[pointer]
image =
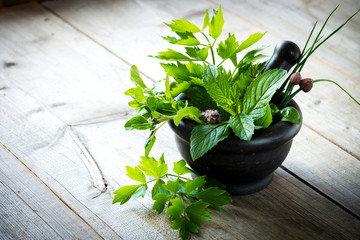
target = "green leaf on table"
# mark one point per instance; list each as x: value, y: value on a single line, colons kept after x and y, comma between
x: 153, y: 168
x: 215, y: 197
x: 290, y: 114
x: 218, y: 86
x: 216, y: 24
x: 183, y: 26
x: 242, y: 125
x: 160, y: 201
x: 188, y: 112
x: 206, y: 19
x: 173, y: 186
x: 198, y: 213
x: 205, y: 137
x: 123, y: 194
x: 228, y: 48
x: 265, y: 120
x: 253, y: 38
x: 260, y: 92
x: 135, y: 173
x: 135, y: 77
x: 180, y: 168
x: 192, y: 185
x: 176, y: 208
x: 172, y: 55
x: 179, y: 72
x: 159, y: 188
x: 140, y: 192
x: 137, y: 122
x: 185, y: 227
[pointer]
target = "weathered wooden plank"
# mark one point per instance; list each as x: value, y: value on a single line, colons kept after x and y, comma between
x: 19, y: 221
x: 281, y: 19
x: 28, y: 190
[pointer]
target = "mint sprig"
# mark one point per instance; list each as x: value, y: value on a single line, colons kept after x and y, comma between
x: 188, y: 201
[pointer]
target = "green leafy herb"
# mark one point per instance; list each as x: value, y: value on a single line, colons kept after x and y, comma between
x: 189, y: 201
x: 205, y: 137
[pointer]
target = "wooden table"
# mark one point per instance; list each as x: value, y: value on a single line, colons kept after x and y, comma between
x: 63, y: 148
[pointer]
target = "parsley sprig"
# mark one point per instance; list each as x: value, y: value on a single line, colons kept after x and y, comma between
x: 188, y: 201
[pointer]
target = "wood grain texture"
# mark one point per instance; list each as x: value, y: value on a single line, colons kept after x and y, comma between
x: 37, y: 208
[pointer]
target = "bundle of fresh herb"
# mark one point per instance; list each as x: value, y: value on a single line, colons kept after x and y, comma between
x: 221, y: 101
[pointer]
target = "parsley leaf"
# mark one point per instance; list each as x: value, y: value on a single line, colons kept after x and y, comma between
x: 136, y: 174
x: 123, y: 194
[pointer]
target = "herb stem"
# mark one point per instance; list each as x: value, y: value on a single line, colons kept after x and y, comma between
x: 327, y: 80
x: 211, y: 47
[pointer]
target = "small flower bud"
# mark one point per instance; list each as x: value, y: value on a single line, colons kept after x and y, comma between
x: 306, y: 84
x: 211, y: 116
x: 295, y: 78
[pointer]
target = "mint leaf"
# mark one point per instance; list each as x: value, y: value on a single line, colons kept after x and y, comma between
x: 242, y: 125
x: 136, y: 174
x: 215, y: 197
x: 179, y: 72
x: 253, y: 38
x: 140, y: 192
x: 160, y: 201
x: 183, y: 26
x: 123, y: 194
x: 290, y: 114
x: 200, y: 98
x: 137, y: 122
x: 266, y: 120
x: 228, y: 48
x: 217, y: 85
x: 176, y: 208
x: 171, y: 55
x: 159, y: 188
x: 206, y: 19
x: 173, y: 186
x: 135, y: 77
x: 260, y: 92
x: 205, y: 137
x: 189, y: 112
x: 216, y: 24
x: 198, y: 213
x: 192, y: 185
x: 180, y: 168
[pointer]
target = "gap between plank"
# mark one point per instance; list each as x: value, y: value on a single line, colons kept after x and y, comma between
x: 320, y: 192
x: 333, y: 142
x: 29, y: 205
x: 67, y: 205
